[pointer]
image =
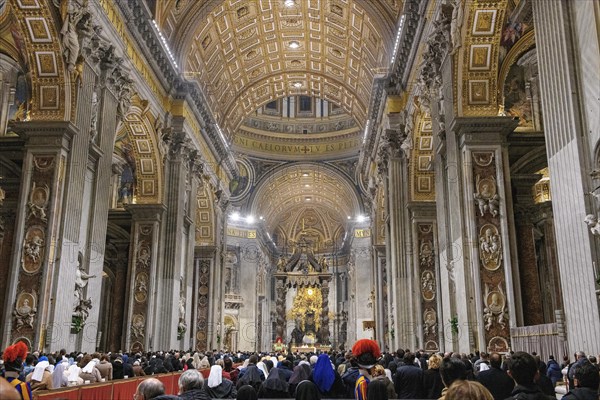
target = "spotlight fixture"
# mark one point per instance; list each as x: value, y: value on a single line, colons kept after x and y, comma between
x: 289, y: 3
x: 250, y: 219
x: 361, y: 218
x: 294, y: 44
x: 235, y: 216
x: 297, y: 85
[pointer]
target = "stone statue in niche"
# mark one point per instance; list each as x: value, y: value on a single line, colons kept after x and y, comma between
x: 25, y: 311
x: 181, y: 326
x: 490, y: 247
x: 592, y: 222
x: 38, y: 202
x: 456, y: 24
x: 487, y: 198
x: 281, y: 264
x: 495, y: 307
x: 94, y: 117
x: 82, y: 305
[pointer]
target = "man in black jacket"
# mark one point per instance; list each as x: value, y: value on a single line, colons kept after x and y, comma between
x: 523, y: 368
x: 495, y: 380
x: 408, y: 379
x: 586, y: 381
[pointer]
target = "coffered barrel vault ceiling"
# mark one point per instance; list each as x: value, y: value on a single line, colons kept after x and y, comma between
x: 245, y: 53
x: 301, y: 186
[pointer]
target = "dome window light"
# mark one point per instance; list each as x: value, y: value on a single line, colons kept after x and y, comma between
x: 297, y: 85
x: 289, y: 3
x: 294, y: 44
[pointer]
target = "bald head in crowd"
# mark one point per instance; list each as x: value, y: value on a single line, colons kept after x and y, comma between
x: 149, y: 389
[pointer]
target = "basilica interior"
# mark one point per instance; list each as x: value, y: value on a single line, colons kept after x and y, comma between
x: 300, y: 174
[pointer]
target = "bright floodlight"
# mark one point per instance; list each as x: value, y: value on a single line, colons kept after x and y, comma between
x: 361, y: 218
x: 289, y: 3
x: 250, y: 219
x: 235, y: 216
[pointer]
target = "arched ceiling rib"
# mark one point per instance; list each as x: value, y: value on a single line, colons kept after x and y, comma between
x: 304, y: 186
x: 240, y: 50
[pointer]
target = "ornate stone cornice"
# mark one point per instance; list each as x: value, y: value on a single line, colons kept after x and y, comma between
x: 412, y: 29
x: 479, y: 130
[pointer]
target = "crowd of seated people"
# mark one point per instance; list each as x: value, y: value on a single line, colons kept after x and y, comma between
x: 364, y: 373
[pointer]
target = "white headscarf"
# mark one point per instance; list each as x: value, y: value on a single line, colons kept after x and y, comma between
x: 216, y: 376
x: 89, y: 368
x: 38, y: 372
x: 74, y: 371
x: 275, y: 361
x: 262, y: 366
x: 58, y: 375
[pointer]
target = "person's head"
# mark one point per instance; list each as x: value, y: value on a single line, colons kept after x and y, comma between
x: 227, y: 364
x: 190, y: 380
x: 468, y: 390
x: 593, y: 359
x: 307, y: 390
x: 452, y: 369
x: 377, y: 370
x: 377, y: 390
x: 495, y: 360
x: 85, y: 360
x: 586, y: 375
x: 579, y: 355
x: 367, y: 353
x: 409, y: 358
x: 253, y: 359
x: 148, y: 389
x: 435, y: 361
x: 522, y: 368
x: 246, y: 392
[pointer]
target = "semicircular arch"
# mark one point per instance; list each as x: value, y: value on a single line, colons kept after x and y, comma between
x: 301, y: 186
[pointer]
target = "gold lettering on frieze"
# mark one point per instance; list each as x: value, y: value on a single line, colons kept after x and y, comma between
x: 242, y: 233
x: 362, y: 233
x: 290, y: 148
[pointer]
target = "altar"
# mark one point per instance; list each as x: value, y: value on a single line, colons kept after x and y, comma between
x: 310, y: 349
x: 302, y: 285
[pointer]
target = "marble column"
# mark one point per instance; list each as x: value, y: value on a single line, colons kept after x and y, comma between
x: 397, y: 243
x: 176, y: 238
x: 143, y: 280
x: 37, y: 227
x: 568, y: 57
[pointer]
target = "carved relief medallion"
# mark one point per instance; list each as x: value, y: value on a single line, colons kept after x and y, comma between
x: 429, y: 321
x: 138, y: 325
x: 38, y: 202
x: 428, y: 285
x: 490, y: 247
x: 25, y: 310
x: 495, y: 307
x: 33, y: 249
x: 141, y: 287
x: 486, y: 197
x: 498, y: 344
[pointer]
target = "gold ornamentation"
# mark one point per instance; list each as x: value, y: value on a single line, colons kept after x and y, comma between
x: 308, y: 301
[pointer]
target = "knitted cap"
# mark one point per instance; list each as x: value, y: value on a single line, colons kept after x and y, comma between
x: 366, y: 352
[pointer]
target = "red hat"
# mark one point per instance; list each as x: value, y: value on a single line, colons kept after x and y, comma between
x: 366, y: 352
x: 14, y: 356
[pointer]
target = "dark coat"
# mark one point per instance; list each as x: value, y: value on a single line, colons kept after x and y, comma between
x: 195, y: 394
x: 409, y: 382
x: 581, y: 394
x: 349, y: 378
x: 226, y: 390
x: 554, y: 372
x: 522, y: 392
x: 432, y: 384
x: 497, y: 382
